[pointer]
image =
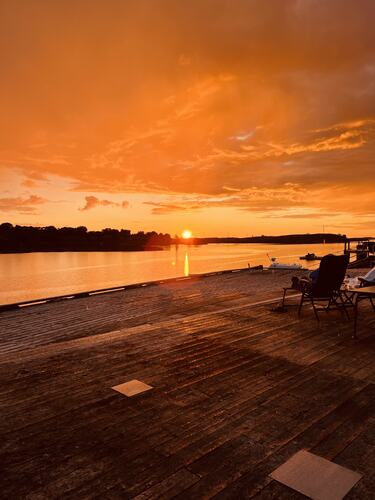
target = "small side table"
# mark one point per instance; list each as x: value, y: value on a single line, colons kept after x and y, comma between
x: 359, y: 294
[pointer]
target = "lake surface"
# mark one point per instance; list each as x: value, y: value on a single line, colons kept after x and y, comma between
x: 37, y: 275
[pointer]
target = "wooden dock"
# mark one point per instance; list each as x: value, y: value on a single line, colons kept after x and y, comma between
x: 237, y: 389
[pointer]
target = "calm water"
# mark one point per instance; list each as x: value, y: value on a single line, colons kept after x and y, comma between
x: 37, y: 275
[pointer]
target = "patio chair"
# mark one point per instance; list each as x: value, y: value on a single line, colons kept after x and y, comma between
x: 332, y: 272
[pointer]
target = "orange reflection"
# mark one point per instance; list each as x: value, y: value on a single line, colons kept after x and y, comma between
x: 186, y: 265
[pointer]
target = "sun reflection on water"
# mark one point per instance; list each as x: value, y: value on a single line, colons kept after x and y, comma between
x: 186, y: 265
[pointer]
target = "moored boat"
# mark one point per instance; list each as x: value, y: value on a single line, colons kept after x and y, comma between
x: 310, y: 256
x: 280, y: 265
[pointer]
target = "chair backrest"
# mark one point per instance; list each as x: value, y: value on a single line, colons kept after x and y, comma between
x: 332, y: 272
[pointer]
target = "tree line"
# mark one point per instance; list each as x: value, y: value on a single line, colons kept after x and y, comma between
x: 16, y: 238
x: 286, y: 239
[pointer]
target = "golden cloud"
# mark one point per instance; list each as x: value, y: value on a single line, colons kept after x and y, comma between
x: 25, y: 205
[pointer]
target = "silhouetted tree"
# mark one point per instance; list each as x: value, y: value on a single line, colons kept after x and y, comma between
x: 49, y: 238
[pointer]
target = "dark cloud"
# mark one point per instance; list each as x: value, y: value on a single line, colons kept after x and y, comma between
x: 93, y: 202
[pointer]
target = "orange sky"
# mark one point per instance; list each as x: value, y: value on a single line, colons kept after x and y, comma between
x: 233, y: 117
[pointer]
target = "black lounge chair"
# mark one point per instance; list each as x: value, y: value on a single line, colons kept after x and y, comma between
x: 332, y: 272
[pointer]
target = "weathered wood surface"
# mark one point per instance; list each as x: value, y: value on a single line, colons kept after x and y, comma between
x: 237, y: 390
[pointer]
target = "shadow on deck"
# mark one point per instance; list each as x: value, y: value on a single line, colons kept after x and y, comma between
x: 237, y: 390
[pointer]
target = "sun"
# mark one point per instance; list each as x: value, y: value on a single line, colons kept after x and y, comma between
x: 186, y: 234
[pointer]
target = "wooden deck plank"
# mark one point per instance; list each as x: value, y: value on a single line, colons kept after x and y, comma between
x: 237, y: 390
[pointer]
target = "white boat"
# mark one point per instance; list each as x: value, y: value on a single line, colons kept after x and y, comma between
x: 279, y: 265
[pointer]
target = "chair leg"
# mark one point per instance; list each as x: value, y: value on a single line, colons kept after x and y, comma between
x: 354, y: 336
x: 315, y: 311
x: 328, y: 306
x: 301, y: 303
x: 284, y: 295
x: 333, y: 302
x: 343, y: 307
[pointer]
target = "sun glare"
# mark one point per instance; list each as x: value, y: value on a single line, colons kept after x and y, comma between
x: 186, y: 234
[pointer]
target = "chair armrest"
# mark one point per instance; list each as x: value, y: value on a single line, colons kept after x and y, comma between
x: 306, y: 285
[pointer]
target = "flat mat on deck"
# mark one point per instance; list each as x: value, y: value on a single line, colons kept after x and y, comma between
x: 237, y: 390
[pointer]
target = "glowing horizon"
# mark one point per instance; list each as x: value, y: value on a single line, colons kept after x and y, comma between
x: 245, y: 119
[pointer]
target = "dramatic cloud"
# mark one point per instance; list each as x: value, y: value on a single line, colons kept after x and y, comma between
x: 21, y: 205
x: 206, y: 104
x: 93, y: 202
x: 255, y: 200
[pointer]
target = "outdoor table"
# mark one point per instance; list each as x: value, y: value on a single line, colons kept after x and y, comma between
x: 359, y: 294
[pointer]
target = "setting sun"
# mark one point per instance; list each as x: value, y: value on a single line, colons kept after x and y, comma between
x: 186, y: 234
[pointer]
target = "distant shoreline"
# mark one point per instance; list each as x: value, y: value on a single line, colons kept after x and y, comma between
x: 28, y: 239
x: 87, y: 250
x: 161, y: 248
x: 288, y: 239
